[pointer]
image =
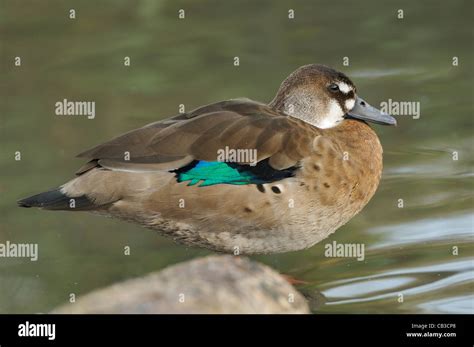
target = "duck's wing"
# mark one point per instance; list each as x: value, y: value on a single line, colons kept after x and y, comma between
x: 204, y: 133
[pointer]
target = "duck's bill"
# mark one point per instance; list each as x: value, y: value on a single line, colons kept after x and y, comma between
x: 362, y: 110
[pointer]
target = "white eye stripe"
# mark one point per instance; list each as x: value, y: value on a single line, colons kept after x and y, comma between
x: 344, y: 87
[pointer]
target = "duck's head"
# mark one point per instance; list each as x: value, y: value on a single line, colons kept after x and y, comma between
x: 324, y: 97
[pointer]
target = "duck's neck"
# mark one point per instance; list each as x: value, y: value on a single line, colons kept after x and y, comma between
x: 306, y: 105
x: 300, y: 105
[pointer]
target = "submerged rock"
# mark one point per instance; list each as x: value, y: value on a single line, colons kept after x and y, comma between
x: 214, y: 284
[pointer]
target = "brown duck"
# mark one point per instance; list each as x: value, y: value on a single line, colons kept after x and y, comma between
x: 240, y: 176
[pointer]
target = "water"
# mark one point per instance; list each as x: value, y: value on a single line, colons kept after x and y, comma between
x: 417, y: 258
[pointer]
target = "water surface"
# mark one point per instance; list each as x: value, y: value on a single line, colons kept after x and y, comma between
x: 409, y: 252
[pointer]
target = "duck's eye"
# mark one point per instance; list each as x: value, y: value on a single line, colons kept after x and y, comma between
x: 333, y: 87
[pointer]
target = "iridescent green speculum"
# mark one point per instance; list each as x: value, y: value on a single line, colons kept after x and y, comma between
x: 211, y: 173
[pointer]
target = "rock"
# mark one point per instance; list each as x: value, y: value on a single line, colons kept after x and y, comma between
x: 214, y: 284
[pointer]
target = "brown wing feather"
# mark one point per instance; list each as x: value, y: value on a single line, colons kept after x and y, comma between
x: 198, y: 135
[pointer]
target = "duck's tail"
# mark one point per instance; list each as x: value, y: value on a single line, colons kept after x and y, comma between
x: 99, y: 189
x: 56, y: 199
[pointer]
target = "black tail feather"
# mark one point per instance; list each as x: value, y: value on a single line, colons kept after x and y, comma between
x: 56, y: 200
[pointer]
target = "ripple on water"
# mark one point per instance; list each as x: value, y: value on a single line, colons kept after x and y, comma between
x: 456, y: 229
x: 415, y: 283
x: 463, y: 304
x: 377, y: 73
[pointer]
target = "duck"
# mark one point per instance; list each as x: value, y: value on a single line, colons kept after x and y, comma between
x: 240, y: 176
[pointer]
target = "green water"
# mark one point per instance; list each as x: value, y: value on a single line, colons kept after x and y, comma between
x: 408, y: 250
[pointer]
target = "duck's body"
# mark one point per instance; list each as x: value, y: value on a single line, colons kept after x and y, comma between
x: 307, y: 181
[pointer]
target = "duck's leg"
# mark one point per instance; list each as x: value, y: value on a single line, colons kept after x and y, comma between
x: 292, y: 280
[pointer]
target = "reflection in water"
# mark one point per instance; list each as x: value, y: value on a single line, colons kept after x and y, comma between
x: 422, y: 250
x: 390, y: 284
x: 366, y: 287
x: 426, y: 230
x: 457, y: 304
x: 374, y: 73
